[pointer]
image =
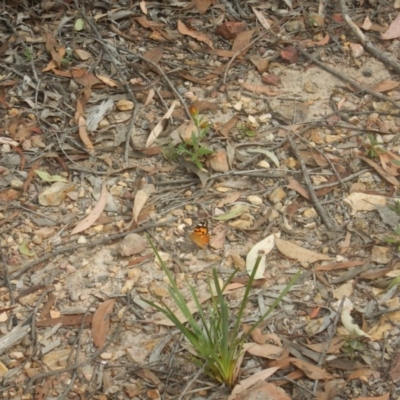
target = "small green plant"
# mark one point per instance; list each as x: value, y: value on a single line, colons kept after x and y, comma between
x: 192, y: 149
x: 353, y: 346
x: 395, y: 207
x: 67, y: 59
x: 215, y: 335
x: 395, y: 240
x: 395, y: 237
x: 28, y: 54
x: 246, y: 130
x: 373, y: 148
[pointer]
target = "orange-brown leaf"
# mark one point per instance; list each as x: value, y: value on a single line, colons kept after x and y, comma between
x: 101, y: 322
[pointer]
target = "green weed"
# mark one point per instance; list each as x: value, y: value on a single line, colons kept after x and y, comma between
x: 215, y: 334
x: 192, y: 149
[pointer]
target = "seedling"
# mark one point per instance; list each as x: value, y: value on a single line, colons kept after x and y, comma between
x: 215, y: 334
x: 67, y: 59
x: 353, y: 346
x: 373, y: 148
x: 28, y: 54
x: 246, y: 130
x: 192, y: 149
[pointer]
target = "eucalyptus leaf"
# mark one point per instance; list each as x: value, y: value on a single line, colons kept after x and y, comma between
x: 79, y: 24
x: 45, y: 176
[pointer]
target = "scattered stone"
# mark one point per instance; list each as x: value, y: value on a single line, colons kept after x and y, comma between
x: 255, y: 200
x: 125, y: 105
x: 219, y: 161
x: 381, y: 254
x: 3, y: 369
x: 131, y: 244
x: 277, y: 195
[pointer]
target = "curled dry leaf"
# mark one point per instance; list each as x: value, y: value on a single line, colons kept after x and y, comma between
x: 296, y: 252
x: 229, y: 30
x: 312, y: 371
x: 242, y: 41
x: 249, y: 382
x: 184, y: 30
x: 265, y: 350
x: 101, y: 322
x: 141, y: 198
x: 258, y: 89
x: 393, y: 31
x: 261, y: 19
x: 261, y: 248
x: 92, y: 217
x: 159, y: 127
x: 83, y: 134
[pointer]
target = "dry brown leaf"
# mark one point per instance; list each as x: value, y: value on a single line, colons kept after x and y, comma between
x: 229, y: 199
x: 9, y: 194
x: 83, y: 133
x: 148, y: 376
x: 271, y: 79
x: 184, y: 30
x: 101, y: 322
x: 383, y: 397
x: 338, y: 265
x: 155, y: 54
x: 261, y: 19
x: 265, y: 350
x: 149, y: 97
x: 385, y: 86
x: 141, y: 198
x: 203, y: 5
x: 334, y: 346
x: 92, y: 217
x: 228, y: 126
x: 242, y: 40
x: 229, y: 30
x: 84, y: 78
x: 387, y: 163
x: 312, y: 371
x: 67, y: 320
x: 364, y: 374
x: 249, y: 382
x: 146, y: 23
x: 108, y: 81
x: 312, y: 43
x: 393, y: 31
x: 160, y: 126
x: 391, y: 179
x: 294, y: 185
x: 83, y: 54
x: 57, y: 52
x: 296, y: 252
x: 259, y: 89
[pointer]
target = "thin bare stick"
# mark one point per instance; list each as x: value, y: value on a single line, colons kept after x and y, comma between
x: 131, y: 128
x: 348, y: 80
x: 389, y: 62
x: 324, y: 216
x: 94, y: 243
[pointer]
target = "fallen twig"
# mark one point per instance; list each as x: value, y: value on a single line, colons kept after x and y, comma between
x: 389, y: 62
x: 324, y: 216
x: 131, y: 128
x: 86, y: 245
x: 348, y: 80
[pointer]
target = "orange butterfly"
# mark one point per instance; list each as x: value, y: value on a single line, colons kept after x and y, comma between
x: 200, y: 235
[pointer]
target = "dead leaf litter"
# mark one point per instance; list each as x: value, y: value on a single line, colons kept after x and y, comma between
x: 272, y: 127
